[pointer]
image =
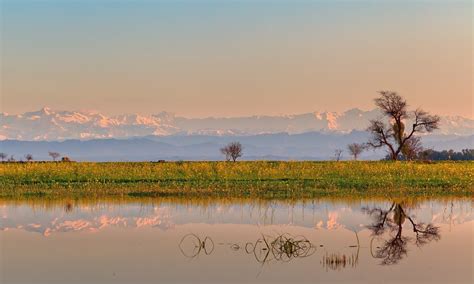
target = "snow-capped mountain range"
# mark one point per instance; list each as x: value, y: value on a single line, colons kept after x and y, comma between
x: 47, y: 124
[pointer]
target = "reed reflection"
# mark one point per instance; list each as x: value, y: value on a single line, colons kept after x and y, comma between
x: 280, y: 248
x: 191, y: 245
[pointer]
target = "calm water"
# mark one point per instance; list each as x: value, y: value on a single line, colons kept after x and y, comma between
x: 237, y: 241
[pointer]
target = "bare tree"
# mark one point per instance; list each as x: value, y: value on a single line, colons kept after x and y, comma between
x: 392, y: 134
x: 29, y: 157
x: 54, y: 155
x: 232, y: 151
x: 3, y: 156
x: 338, y: 154
x: 355, y: 149
x: 11, y: 159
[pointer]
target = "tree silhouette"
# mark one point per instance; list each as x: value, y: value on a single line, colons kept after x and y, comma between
x: 392, y: 134
x: 232, y: 151
x: 54, y: 155
x: 337, y: 154
x: 355, y: 149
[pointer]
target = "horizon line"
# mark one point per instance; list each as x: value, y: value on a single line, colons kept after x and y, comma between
x: 111, y: 115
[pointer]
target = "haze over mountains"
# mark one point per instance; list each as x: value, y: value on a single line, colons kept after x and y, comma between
x: 88, y: 136
x: 50, y: 125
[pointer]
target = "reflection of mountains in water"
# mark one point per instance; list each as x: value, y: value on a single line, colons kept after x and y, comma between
x: 69, y: 217
x: 91, y: 221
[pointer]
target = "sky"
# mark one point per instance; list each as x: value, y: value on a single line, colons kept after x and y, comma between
x: 200, y: 58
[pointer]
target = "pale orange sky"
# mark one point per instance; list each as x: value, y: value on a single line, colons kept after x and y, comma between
x: 220, y: 58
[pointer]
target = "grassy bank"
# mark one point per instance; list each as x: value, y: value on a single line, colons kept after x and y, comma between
x: 263, y: 179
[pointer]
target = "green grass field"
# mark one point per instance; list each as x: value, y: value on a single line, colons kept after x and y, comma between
x: 259, y: 179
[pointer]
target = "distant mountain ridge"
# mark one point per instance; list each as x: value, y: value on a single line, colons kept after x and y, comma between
x: 50, y: 125
x: 277, y: 146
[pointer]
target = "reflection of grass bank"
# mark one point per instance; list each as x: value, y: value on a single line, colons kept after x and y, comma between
x: 263, y: 179
x: 68, y: 203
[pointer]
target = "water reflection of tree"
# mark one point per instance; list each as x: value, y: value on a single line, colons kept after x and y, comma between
x: 68, y: 207
x: 395, y: 248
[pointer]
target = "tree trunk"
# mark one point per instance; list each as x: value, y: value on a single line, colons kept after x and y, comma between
x: 394, y: 157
